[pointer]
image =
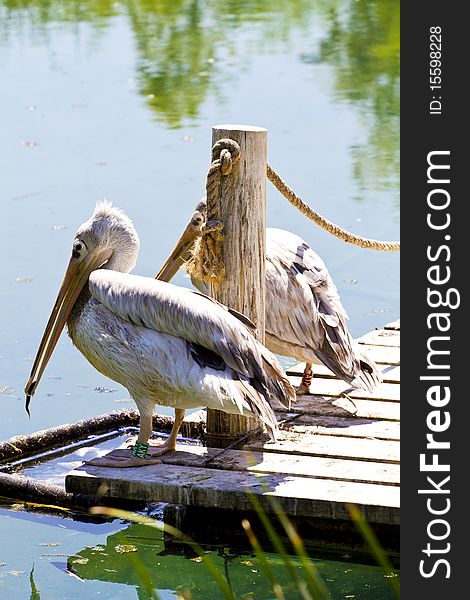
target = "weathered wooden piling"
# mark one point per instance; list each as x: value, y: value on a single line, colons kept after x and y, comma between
x: 241, y: 207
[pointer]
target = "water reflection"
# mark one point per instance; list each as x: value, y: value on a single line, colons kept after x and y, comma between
x: 363, y: 43
x: 139, y: 556
x: 186, y: 51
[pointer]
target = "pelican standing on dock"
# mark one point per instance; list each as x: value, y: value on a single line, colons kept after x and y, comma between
x: 166, y: 344
x: 304, y: 315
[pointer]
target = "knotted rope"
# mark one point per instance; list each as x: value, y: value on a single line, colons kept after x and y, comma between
x: 335, y: 230
x: 207, y: 262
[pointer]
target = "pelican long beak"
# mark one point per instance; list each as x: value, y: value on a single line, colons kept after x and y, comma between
x: 75, y: 278
x: 181, y: 251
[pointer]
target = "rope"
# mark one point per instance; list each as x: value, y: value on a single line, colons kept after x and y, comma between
x: 335, y: 230
x: 234, y: 445
x: 206, y: 262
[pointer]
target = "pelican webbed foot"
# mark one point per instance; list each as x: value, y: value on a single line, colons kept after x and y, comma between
x: 157, y: 448
x: 122, y: 462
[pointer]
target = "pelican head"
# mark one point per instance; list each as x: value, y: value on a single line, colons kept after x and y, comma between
x: 182, y: 250
x: 107, y: 240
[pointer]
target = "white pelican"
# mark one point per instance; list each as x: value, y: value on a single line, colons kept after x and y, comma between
x: 166, y: 344
x: 304, y: 315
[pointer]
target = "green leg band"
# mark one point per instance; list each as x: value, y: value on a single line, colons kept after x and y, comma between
x: 140, y: 450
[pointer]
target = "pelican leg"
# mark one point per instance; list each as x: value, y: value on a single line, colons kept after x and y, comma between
x: 304, y: 387
x: 123, y: 462
x: 170, y: 444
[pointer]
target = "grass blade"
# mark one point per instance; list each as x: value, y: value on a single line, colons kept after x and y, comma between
x: 135, y: 518
x: 375, y: 547
x: 257, y: 549
x: 315, y: 584
x: 280, y: 548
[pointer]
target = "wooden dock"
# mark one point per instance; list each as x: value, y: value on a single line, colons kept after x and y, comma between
x: 337, y: 447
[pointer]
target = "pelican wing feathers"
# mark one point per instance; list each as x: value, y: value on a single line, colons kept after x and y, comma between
x: 199, y: 320
x: 314, y: 326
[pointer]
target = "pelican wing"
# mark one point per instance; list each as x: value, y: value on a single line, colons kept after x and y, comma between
x: 298, y: 278
x: 191, y: 316
x: 315, y: 321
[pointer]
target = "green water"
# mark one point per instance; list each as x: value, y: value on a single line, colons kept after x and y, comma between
x: 117, y: 99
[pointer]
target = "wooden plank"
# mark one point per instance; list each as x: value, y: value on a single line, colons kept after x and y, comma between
x: 388, y: 392
x: 390, y: 373
x: 345, y: 407
x: 298, y: 496
x: 333, y: 446
x: 388, y: 355
x: 381, y: 337
x: 273, y: 463
x: 306, y: 426
x: 264, y: 459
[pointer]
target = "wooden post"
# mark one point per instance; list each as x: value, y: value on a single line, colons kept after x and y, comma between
x: 242, y: 210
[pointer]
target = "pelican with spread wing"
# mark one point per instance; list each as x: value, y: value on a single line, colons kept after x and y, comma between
x: 305, y: 318
x: 166, y: 344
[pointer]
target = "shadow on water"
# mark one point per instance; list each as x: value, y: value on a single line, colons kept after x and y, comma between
x: 136, y: 556
x: 168, y: 564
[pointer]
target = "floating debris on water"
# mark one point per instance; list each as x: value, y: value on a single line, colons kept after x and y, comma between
x: 79, y: 560
x: 103, y: 390
x: 30, y: 144
x: 4, y: 389
x: 24, y: 196
x: 122, y: 548
x: 59, y: 226
x: 49, y: 544
x: 24, y: 279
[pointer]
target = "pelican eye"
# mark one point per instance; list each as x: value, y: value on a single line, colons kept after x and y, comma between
x: 197, y: 219
x: 79, y: 249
